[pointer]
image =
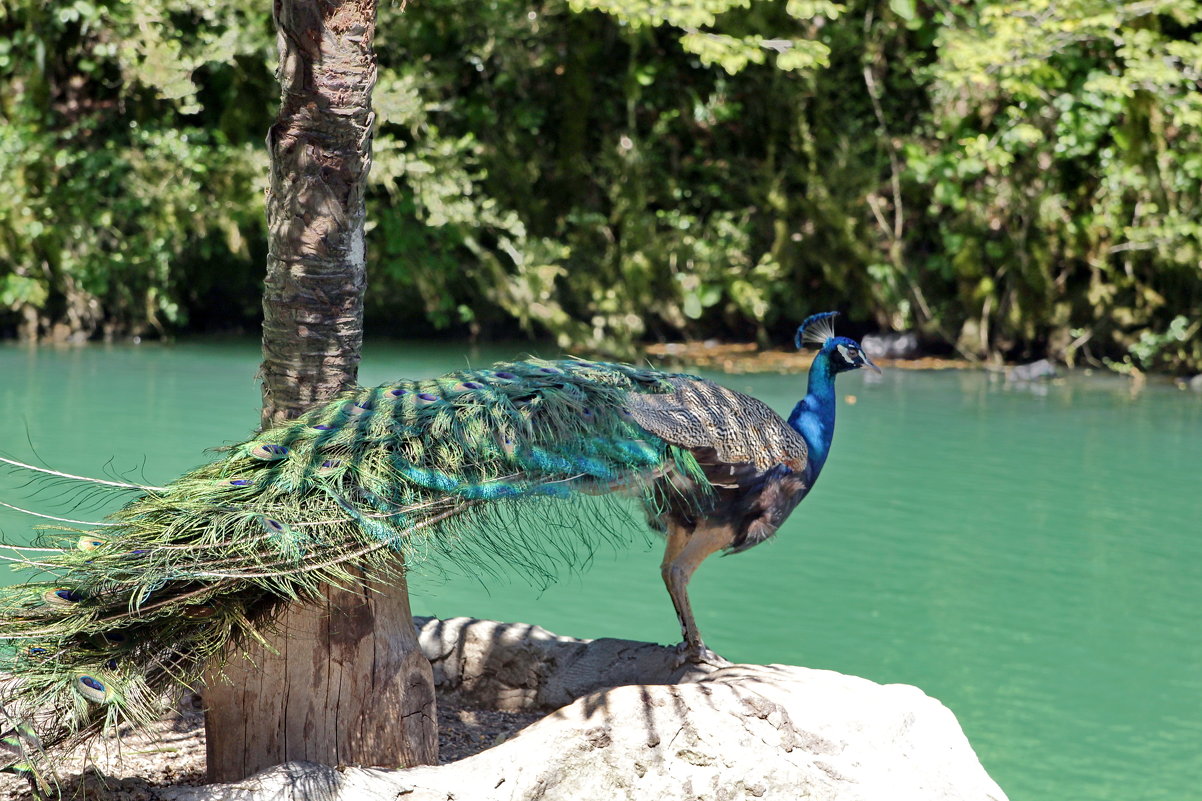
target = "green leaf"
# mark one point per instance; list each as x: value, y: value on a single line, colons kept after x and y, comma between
x: 904, y: 9
x: 19, y: 290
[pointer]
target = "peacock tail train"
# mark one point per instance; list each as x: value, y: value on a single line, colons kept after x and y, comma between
x: 127, y: 612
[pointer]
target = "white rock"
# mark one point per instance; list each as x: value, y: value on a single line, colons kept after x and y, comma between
x: 738, y: 732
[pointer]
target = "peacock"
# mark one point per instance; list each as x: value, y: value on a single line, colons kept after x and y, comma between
x: 127, y: 609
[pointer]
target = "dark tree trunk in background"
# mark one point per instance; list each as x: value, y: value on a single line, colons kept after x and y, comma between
x: 347, y: 683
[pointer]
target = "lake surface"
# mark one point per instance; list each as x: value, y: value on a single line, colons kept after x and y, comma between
x: 1030, y: 556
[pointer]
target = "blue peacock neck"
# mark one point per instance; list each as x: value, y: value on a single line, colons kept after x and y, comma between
x: 814, y: 416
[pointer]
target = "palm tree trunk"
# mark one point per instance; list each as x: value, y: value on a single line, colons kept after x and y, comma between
x: 344, y: 681
x: 320, y: 151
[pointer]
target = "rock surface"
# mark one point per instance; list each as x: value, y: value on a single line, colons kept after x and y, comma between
x: 726, y: 732
x: 1041, y: 370
x: 517, y: 667
x: 903, y: 345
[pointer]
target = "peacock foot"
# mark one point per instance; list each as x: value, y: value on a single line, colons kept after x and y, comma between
x: 697, y: 654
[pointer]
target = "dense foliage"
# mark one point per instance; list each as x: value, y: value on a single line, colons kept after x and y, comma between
x: 1007, y: 177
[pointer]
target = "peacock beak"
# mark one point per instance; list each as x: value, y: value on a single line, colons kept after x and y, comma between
x: 868, y: 363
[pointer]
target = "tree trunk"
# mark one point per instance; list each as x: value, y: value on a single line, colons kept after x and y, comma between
x: 320, y: 150
x: 346, y: 683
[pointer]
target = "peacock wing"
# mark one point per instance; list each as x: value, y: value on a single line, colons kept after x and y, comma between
x: 719, y: 425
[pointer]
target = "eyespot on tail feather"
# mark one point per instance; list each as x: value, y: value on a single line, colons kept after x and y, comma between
x: 94, y: 687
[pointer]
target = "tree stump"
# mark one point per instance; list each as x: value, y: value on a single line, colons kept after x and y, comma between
x: 348, y: 686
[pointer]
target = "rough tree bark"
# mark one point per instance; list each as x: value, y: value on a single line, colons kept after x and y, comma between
x: 345, y: 681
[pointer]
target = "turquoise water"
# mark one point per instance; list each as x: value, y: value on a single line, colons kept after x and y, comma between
x: 1031, y: 558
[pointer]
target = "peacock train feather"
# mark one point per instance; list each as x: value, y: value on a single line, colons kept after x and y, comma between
x: 123, y: 613
x: 127, y: 611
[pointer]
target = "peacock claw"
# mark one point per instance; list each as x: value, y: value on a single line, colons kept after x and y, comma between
x: 697, y: 654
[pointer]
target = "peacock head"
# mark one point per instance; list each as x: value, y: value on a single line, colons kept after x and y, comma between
x: 844, y: 354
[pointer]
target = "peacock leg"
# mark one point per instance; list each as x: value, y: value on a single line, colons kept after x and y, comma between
x: 685, y: 551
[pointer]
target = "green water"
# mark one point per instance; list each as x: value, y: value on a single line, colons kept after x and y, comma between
x: 1031, y: 558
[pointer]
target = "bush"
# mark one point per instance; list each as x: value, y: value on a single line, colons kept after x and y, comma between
x: 1013, y: 179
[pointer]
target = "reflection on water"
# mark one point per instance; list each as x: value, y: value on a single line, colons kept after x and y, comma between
x: 1029, y: 554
